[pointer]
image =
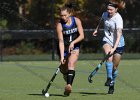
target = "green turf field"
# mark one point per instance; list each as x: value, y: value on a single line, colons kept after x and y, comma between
x: 24, y: 80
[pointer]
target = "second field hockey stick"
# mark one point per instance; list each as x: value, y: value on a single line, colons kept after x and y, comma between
x: 98, y: 67
x: 99, y: 22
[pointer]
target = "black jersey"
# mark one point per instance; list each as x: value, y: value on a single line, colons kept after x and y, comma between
x: 70, y: 33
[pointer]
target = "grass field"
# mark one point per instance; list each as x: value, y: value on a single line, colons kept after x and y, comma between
x: 24, y: 80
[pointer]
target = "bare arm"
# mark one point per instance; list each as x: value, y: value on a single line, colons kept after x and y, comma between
x: 61, y: 41
x: 119, y: 33
x: 81, y: 34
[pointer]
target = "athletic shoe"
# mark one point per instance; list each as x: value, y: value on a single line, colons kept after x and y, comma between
x: 68, y: 89
x: 109, y: 82
x: 111, y: 90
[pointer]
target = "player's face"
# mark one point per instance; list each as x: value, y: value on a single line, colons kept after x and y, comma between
x: 65, y: 15
x: 111, y: 10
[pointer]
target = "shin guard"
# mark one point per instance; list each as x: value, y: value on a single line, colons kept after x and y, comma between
x: 70, y: 76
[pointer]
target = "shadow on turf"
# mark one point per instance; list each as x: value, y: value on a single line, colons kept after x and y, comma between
x: 83, y: 94
x: 89, y: 93
x: 50, y: 95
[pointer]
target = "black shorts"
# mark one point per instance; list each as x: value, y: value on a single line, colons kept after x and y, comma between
x: 118, y: 50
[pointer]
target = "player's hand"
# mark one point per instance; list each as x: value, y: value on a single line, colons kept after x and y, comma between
x: 62, y: 61
x: 71, y: 46
x: 95, y: 33
x: 112, y: 51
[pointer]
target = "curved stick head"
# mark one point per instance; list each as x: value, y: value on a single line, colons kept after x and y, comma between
x: 43, y: 92
x: 90, y: 80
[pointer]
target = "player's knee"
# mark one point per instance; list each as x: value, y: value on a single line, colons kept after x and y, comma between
x: 109, y: 59
x: 71, y: 64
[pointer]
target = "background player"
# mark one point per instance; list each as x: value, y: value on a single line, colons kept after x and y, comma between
x: 113, y: 40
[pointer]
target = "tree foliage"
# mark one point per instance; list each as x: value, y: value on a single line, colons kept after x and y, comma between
x: 43, y: 12
x: 89, y: 11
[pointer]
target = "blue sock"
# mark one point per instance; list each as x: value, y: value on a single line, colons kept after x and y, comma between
x: 109, y: 68
x: 114, y: 75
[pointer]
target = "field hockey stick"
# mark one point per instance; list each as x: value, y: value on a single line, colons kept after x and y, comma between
x: 44, y: 91
x: 98, y: 67
x: 99, y: 22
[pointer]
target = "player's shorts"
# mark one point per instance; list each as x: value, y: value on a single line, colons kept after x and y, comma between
x: 118, y: 50
x: 66, y: 52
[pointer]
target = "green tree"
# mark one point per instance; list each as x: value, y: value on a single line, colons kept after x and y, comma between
x: 6, y: 13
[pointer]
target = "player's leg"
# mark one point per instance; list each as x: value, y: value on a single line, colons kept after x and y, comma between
x: 64, y: 67
x: 64, y: 70
x: 71, y: 70
x: 116, y: 60
x: 109, y: 65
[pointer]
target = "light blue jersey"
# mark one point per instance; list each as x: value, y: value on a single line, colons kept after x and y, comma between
x: 110, y: 29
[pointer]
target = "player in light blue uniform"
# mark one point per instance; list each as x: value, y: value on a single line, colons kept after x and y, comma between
x: 113, y: 40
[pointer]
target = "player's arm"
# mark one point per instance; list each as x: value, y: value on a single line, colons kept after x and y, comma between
x: 119, y: 33
x: 61, y: 41
x: 80, y: 30
x: 81, y: 33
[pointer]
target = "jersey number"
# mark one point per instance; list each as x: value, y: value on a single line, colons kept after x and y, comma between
x: 70, y: 38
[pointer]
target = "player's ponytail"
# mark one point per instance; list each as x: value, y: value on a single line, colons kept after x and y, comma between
x: 69, y: 7
x: 120, y: 4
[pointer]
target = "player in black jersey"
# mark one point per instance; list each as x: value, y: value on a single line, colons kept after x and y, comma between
x: 70, y: 34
